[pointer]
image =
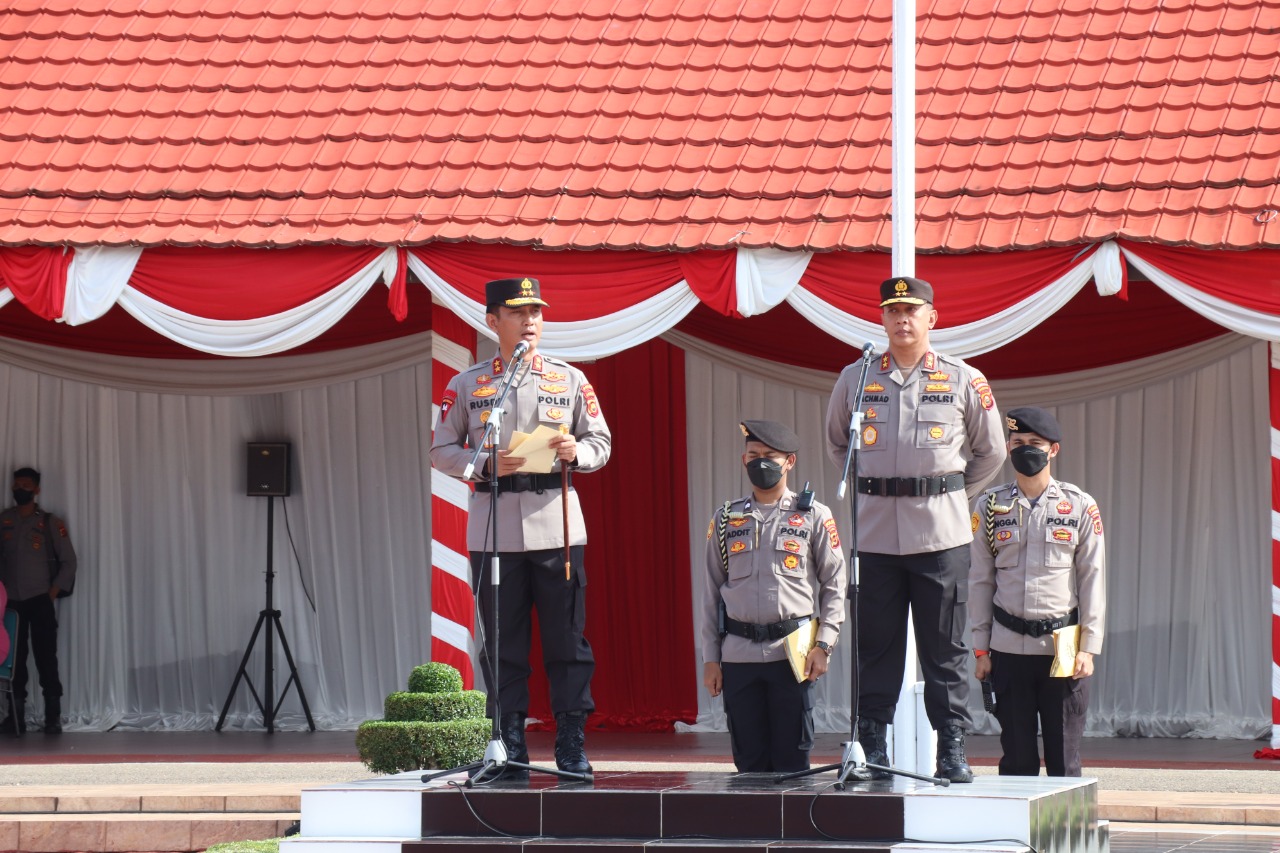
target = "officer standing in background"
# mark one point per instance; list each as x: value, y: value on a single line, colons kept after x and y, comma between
x: 37, y: 562
x: 530, y: 535
x: 1038, y: 566
x: 931, y: 439
x: 772, y: 562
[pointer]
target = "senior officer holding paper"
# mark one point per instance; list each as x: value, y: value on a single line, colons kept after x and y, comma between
x: 1037, y: 601
x: 772, y: 564
x: 530, y: 539
x: 931, y: 439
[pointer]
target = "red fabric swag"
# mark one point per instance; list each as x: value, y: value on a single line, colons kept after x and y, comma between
x: 37, y: 275
x: 1250, y: 279
x: 243, y: 284
x: 967, y: 288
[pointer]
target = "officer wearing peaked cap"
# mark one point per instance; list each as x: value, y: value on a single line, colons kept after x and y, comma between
x: 930, y: 439
x: 771, y: 563
x: 530, y: 538
x: 1039, y: 568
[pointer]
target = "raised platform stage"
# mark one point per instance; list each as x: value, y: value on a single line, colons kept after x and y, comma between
x: 700, y: 811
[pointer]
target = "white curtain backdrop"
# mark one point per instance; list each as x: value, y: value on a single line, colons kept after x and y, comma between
x: 173, y: 554
x: 1169, y: 446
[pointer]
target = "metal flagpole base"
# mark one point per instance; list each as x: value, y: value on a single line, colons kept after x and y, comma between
x: 495, y: 763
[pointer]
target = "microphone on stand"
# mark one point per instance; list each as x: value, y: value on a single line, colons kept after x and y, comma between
x: 522, y: 349
x: 868, y: 350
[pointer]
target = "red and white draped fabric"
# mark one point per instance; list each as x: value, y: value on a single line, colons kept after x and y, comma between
x: 251, y: 302
x: 452, y: 603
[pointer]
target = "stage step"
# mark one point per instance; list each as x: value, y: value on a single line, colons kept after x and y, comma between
x: 676, y: 810
x: 107, y: 819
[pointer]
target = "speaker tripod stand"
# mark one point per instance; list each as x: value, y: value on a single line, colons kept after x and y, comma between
x: 269, y: 618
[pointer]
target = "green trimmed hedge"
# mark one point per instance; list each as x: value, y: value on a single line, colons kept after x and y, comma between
x: 434, y: 707
x: 390, y: 747
x: 435, y: 678
x: 435, y: 725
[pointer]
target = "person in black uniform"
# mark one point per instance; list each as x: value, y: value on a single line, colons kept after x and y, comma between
x: 531, y: 516
x: 37, y: 562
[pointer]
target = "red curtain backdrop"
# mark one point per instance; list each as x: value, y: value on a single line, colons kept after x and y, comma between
x: 639, y: 598
x: 37, y: 275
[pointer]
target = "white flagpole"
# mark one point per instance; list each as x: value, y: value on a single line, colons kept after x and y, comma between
x: 903, y: 140
x: 913, y: 741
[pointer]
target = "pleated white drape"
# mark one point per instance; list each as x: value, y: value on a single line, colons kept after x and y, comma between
x: 173, y: 554
x: 1170, y: 447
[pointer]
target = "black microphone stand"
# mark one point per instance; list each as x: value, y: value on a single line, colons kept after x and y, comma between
x: 853, y: 761
x: 495, y: 760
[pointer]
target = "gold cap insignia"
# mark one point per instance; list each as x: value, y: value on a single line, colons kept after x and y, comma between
x: 743, y: 427
x: 1011, y: 423
x: 900, y: 286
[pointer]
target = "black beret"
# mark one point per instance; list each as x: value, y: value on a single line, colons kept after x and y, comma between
x: 513, y: 292
x: 778, y: 436
x: 904, y: 288
x: 1033, y: 419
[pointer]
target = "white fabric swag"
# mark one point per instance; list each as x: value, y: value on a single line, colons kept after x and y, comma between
x: 1169, y: 447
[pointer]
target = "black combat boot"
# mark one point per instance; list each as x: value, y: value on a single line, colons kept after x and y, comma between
x: 512, y: 727
x: 53, y: 715
x: 16, y: 722
x: 952, y: 763
x: 571, y: 737
x: 872, y: 736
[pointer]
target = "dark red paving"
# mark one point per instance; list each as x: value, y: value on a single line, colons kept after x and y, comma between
x: 112, y: 747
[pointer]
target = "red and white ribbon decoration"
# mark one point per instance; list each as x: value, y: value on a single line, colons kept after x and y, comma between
x: 1273, y: 380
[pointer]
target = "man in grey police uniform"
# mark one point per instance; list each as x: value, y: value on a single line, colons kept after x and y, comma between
x: 772, y: 561
x: 530, y: 534
x: 1038, y: 565
x: 931, y: 439
x: 37, y: 562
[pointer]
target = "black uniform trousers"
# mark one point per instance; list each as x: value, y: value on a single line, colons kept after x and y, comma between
x: 935, y: 585
x: 770, y: 717
x: 529, y: 579
x: 38, y: 631
x: 1024, y: 692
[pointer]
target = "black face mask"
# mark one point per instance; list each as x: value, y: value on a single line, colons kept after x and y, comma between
x: 764, y: 473
x: 1027, y: 460
x: 22, y: 497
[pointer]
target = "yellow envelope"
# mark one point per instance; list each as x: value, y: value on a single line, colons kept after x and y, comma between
x: 798, y: 643
x: 1066, y: 642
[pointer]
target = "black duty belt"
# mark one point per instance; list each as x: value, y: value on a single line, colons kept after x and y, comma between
x: 1035, y: 627
x: 763, y: 633
x: 524, y: 483
x: 910, y: 487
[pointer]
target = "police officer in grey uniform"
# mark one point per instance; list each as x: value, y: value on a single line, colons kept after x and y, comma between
x: 1038, y: 566
x: 530, y: 535
x: 931, y: 439
x: 37, y: 562
x: 772, y: 561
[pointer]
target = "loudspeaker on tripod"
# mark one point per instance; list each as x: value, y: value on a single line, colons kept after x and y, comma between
x: 268, y: 469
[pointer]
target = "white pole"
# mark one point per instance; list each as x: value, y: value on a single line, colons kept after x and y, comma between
x: 903, y: 140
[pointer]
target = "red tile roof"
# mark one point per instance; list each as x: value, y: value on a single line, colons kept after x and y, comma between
x: 662, y: 124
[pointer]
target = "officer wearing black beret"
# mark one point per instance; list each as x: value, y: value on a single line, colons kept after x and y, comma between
x: 772, y: 563
x: 531, y: 514
x: 1037, y: 577
x: 931, y: 439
